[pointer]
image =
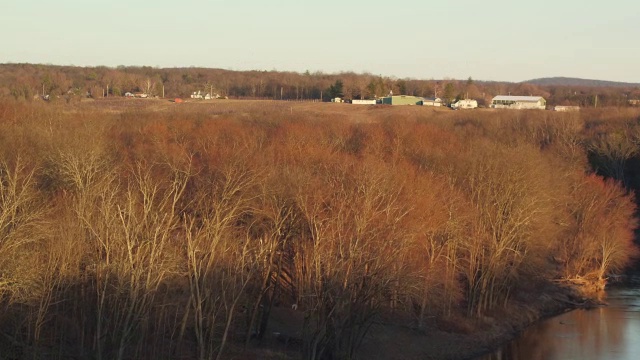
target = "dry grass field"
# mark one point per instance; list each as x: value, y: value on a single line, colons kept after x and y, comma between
x: 335, y: 111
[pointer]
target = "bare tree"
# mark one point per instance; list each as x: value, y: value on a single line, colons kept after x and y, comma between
x: 218, y: 259
x: 21, y: 225
x: 613, y: 150
x: 351, y: 258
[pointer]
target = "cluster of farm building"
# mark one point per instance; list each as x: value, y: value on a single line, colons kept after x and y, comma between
x: 498, y: 102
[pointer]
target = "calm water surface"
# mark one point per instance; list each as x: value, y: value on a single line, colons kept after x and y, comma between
x: 611, y: 332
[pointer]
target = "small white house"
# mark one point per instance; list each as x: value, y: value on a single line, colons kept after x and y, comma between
x: 129, y: 94
x: 518, y: 102
x: 464, y: 104
x: 363, y: 102
x: 337, y: 100
x: 434, y: 101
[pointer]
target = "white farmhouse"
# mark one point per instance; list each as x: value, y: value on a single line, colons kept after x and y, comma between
x: 464, y: 104
x: 518, y: 102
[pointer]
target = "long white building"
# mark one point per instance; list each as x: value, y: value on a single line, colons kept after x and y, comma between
x: 566, y: 108
x: 363, y: 102
x: 434, y: 101
x: 518, y: 102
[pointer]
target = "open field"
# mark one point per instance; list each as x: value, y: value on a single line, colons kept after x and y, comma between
x: 118, y: 105
x: 217, y: 107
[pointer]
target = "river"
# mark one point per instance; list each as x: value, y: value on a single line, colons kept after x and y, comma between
x: 611, y: 332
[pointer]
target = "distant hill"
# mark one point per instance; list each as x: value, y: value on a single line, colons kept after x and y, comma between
x: 566, y: 81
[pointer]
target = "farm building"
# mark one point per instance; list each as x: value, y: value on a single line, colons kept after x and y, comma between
x: 464, y: 104
x: 434, y: 101
x: 566, y: 108
x: 402, y: 100
x: 518, y: 102
x: 363, y: 102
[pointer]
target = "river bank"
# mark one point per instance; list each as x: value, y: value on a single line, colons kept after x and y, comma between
x: 460, y: 338
x: 470, y: 339
x: 608, y: 332
x: 455, y: 338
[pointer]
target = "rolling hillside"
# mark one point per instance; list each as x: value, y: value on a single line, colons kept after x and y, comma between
x: 567, y: 81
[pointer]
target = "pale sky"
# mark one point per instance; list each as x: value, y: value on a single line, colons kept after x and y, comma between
x: 488, y: 40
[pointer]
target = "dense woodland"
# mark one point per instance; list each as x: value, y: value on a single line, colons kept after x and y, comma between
x: 26, y: 81
x: 175, y: 232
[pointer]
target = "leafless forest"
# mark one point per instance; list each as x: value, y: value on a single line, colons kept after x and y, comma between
x: 177, y: 230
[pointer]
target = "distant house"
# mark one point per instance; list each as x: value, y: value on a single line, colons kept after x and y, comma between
x: 518, y: 102
x: 634, y: 102
x: 141, y: 95
x: 402, y: 100
x: 566, y: 108
x: 464, y: 104
x: 337, y: 100
x: 201, y: 95
x: 363, y: 102
x: 432, y: 101
x: 128, y: 94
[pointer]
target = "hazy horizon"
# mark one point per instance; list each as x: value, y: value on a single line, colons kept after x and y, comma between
x: 498, y: 41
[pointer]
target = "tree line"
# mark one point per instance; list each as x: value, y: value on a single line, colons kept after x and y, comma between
x: 26, y: 81
x: 172, y: 234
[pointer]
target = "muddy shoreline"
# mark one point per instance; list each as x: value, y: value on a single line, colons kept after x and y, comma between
x: 391, y: 342
x: 458, y: 338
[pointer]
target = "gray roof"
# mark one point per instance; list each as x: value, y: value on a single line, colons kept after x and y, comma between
x: 518, y: 98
